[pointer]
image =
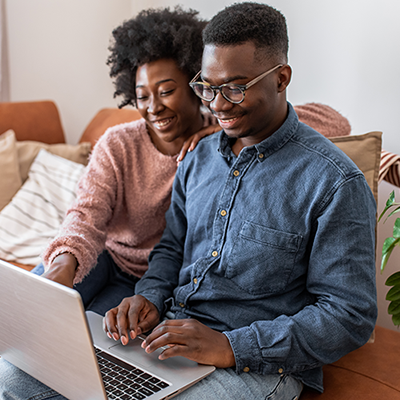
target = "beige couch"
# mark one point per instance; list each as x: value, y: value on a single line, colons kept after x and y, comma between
x: 371, y: 372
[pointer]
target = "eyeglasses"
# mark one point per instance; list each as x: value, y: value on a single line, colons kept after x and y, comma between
x: 230, y: 91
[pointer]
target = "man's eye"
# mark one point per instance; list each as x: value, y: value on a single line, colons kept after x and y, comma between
x: 234, y: 89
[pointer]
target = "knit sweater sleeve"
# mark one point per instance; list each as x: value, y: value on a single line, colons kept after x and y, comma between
x: 84, y: 230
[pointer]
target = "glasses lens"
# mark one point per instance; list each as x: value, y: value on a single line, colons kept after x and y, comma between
x: 232, y: 93
x: 203, y: 91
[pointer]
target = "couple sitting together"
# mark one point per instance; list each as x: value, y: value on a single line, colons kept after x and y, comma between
x: 260, y: 243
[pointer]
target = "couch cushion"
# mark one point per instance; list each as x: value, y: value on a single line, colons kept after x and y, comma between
x: 10, y: 178
x: 369, y: 373
x: 32, y: 120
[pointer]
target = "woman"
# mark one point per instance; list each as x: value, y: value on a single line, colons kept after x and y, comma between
x: 119, y: 213
x: 118, y: 216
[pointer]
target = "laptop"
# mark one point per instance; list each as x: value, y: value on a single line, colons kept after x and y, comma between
x: 45, y: 332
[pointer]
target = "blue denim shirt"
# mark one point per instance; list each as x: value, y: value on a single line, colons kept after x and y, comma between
x: 274, y: 247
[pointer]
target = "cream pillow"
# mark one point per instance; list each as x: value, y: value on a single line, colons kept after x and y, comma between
x: 28, y: 150
x: 365, y: 151
x: 34, y: 215
x: 10, y: 178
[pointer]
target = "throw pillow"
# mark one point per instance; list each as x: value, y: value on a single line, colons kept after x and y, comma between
x: 28, y: 150
x: 10, y: 178
x: 34, y: 215
x: 365, y: 151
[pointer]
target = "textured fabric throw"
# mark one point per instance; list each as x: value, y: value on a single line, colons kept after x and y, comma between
x: 36, y: 212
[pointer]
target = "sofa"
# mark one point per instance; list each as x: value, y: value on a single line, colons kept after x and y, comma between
x: 370, y: 372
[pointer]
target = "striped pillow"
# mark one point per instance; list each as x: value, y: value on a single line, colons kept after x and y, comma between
x: 35, y: 213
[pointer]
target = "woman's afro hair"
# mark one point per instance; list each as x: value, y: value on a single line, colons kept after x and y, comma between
x: 242, y: 22
x: 152, y: 35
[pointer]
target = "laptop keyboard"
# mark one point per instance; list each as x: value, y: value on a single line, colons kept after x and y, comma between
x: 124, y: 381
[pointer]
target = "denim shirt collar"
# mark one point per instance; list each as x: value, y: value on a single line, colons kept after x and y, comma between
x: 268, y: 146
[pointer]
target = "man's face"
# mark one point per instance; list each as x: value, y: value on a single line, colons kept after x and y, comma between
x: 264, y: 107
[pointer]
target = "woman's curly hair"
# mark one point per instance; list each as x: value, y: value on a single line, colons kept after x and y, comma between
x: 152, y: 35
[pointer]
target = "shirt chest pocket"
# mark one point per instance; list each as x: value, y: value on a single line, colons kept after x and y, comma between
x: 262, y: 259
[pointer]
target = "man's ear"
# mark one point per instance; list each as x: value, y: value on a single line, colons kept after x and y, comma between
x: 284, y: 77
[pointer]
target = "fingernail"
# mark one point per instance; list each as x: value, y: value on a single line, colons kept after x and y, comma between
x: 133, y: 334
x: 109, y: 335
x: 124, y: 340
x: 115, y: 336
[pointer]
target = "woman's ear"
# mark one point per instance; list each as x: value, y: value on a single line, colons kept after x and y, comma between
x: 284, y: 77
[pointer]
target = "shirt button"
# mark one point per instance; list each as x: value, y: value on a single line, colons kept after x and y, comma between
x: 246, y: 369
x: 214, y: 253
x: 261, y: 155
x: 195, y: 281
x: 223, y: 213
x: 280, y: 370
x: 236, y: 173
x: 182, y: 305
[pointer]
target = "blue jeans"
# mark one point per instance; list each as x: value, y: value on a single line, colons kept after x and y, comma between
x: 222, y: 384
x: 104, y: 287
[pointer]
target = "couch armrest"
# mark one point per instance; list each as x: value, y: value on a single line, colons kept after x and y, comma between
x: 34, y: 120
x: 106, y: 118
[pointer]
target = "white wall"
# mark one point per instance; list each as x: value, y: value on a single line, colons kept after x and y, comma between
x: 343, y: 53
x: 58, y: 50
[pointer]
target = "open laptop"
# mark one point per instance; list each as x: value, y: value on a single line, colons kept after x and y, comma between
x: 45, y: 331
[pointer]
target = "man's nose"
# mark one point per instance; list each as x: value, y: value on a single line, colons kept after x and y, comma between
x: 220, y: 103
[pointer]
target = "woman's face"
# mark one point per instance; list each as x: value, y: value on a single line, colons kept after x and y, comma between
x: 168, y: 104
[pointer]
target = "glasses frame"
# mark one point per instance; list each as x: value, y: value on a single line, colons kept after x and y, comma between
x: 242, y: 88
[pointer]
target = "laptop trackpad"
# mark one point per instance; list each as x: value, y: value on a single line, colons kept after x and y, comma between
x: 133, y: 353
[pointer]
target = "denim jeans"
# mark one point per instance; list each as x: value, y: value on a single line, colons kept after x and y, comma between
x: 105, y: 286
x: 222, y: 384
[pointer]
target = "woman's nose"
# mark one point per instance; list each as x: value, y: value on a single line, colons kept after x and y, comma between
x: 155, y: 105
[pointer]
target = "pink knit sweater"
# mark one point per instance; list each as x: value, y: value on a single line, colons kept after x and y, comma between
x: 121, y: 202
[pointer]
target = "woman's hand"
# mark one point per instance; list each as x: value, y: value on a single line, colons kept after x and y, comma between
x: 191, y: 143
x: 62, y: 270
x: 191, y: 339
x: 134, y: 316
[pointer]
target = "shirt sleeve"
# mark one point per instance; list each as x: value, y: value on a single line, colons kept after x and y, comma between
x: 84, y: 230
x: 341, y: 279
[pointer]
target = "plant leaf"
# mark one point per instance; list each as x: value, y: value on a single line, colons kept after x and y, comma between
x: 388, y: 246
x: 393, y: 279
x: 393, y: 294
x: 396, y: 319
x: 394, y: 308
x: 396, y: 228
x: 395, y: 211
x: 389, y: 203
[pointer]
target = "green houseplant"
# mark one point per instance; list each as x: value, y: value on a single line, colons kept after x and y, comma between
x: 393, y: 295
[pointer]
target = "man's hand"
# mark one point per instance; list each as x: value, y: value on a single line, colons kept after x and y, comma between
x: 62, y: 270
x: 134, y: 316
x: 191, y: 339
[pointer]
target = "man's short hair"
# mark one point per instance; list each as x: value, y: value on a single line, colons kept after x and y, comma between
x: 263, y: 25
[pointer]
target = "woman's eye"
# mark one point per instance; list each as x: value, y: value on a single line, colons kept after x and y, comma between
x: 141, y: 98
x: 167, y: 92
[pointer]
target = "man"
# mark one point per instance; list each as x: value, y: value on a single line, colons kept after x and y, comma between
x: 267, y: 261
